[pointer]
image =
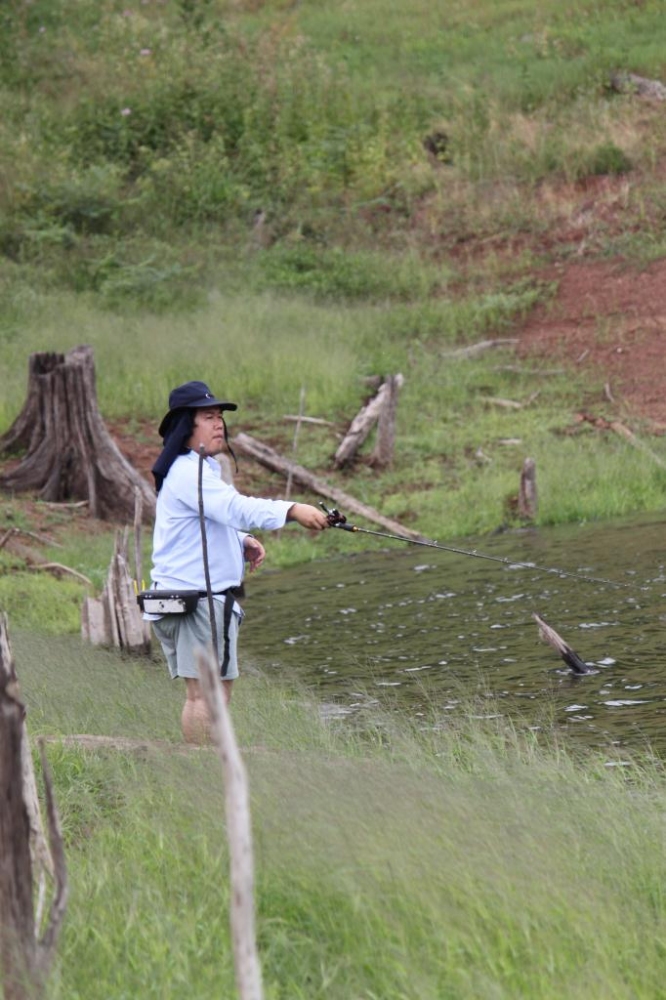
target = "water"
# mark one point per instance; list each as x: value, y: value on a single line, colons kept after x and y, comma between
x: 424, y: 625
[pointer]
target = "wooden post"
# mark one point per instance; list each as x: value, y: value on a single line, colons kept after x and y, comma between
x: 24, y: 960
x: 527, y: 495
x: 237, y: 810
x: 382, y: 454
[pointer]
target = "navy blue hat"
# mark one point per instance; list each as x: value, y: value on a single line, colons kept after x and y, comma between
x: 191, y: 396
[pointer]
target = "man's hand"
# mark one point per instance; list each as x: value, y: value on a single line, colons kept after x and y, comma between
x: 254, y: 552
x: 307, y: 516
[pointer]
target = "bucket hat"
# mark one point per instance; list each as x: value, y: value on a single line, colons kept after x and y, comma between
x: 191, y: 396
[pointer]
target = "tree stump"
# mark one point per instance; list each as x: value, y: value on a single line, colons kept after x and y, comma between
x: 380, y: 409
x: 382, y: 453
x: 69, y: 453
x: 527, y: 495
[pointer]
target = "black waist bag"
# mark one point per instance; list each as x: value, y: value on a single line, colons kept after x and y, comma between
x: 168, y: 602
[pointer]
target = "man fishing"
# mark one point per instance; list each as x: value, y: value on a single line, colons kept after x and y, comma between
x: 201, y: 541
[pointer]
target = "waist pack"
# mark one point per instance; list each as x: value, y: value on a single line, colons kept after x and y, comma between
x: 168, y: 602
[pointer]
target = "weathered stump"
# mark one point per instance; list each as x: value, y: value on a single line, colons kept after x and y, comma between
x: 114, y: 619
x: 527, y: 495
x: 382, y: 453
x: 69, y: 453
x: 380, y: 409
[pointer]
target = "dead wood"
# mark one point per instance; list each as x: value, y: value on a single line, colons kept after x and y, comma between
x: 58, y: 569
x: 617, y: 427
x: 24, y: 959
x: 505, y: 404
x: 295, y: 417
x: 69, y: 453
x: 631, y: 83
x: 115, y: 619
x: 29, y: 534
x: 473, y: 350
x: 570, y: 657
x: 239, y: 832
x: 380, y: 408
x: 527, y: 494
x: 382, y: 453
x: 261, y: 453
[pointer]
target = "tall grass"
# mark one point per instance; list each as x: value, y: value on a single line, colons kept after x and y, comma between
x: 456, y: 858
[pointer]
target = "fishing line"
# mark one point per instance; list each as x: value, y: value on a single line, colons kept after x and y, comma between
x: 338, y: 520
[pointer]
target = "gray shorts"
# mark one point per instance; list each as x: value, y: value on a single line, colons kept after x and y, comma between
x: 182, y: 635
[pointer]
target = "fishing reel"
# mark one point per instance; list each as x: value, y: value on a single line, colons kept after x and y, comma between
x: 334, y: 517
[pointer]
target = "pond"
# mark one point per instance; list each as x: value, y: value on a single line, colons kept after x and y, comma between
x: 413, y: 626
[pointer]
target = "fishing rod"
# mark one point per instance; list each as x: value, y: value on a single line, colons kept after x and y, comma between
x: 338, y: 520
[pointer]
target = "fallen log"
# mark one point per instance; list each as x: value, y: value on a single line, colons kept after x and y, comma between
x: 261, y: 453
x: 617, y: 427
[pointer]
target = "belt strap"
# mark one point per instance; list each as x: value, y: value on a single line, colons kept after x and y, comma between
x: 229, y: 597
x: 228, y: 611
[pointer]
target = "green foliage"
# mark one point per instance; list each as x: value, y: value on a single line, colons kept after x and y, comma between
x: 607, y: 158
x: 473, y: 857
x: 335, y: 274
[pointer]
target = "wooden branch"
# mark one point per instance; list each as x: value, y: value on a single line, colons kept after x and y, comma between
x: 261, y: 453
x: 29, y: 534
x: 624, y: 432
x: 308, y: 420
x: 570, y: 657
x: 58, y: 568
x: 62, y: 505
x: 505, y: 404
x: 239, y: 833
x: 483, y: 345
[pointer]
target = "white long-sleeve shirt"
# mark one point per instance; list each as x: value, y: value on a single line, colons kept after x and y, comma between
x: 228, y: 517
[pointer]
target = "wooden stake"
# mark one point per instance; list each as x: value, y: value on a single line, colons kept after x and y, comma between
x: 237, y: 809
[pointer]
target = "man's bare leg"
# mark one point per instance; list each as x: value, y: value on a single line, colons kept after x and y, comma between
x: 195, y: 720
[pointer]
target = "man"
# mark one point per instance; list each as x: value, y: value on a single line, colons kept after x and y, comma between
x: 195, y: 426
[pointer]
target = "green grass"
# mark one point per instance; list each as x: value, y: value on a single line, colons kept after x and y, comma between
x: 454, y: 858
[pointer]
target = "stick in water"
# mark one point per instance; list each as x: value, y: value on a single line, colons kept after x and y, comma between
x: 570, y: 657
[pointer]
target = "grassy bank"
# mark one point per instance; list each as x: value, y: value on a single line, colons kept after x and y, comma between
x: 285, y: 201
x: 460, y: 859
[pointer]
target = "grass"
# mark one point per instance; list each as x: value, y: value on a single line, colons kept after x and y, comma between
x: 458, y: 859
x: 454, y: 858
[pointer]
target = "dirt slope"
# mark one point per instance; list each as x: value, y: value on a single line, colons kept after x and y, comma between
x: 609, y: 318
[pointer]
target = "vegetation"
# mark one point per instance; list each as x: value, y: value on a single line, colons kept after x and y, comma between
x: 283, y: 199
x: 454, y: 858
x: 207, y: 188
